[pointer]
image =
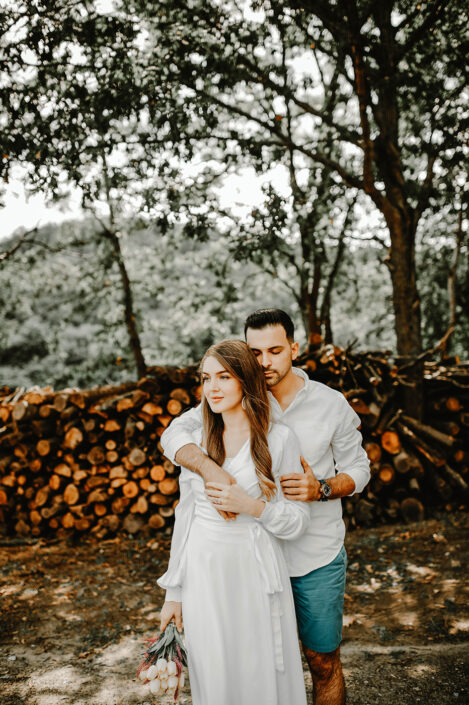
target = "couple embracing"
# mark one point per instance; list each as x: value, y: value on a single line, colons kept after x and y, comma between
x: 258, y: 542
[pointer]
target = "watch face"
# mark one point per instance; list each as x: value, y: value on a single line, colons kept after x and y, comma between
x: 326, y: 489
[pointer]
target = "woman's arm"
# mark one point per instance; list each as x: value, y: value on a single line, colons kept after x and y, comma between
x: 282, y: 517
x: 233, y: 498
x: 171, y: 581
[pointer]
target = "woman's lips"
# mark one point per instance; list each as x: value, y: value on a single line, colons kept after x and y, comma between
x: 215, y: 399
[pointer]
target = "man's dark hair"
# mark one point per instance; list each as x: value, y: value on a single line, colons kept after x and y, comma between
x: 270, y: 317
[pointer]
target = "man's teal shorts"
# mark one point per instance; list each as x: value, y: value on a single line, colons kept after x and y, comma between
x: 319, y: 604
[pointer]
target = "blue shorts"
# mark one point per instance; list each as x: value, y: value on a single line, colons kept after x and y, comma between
x: 319, y: 604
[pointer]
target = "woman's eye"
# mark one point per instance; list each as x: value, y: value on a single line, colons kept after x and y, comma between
x: 224, y: 377
x: 204, y: 379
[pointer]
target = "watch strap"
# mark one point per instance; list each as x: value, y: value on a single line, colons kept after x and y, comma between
x: 323, y: 497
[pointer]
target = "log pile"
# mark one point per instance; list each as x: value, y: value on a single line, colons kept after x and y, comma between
x: 416, y: 465
x: 79, y: 461
x: 90, y: 461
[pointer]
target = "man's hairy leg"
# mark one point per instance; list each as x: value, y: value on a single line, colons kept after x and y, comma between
x: 193, y: 458
x: 327, y: 675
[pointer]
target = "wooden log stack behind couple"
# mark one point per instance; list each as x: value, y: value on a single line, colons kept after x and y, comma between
x: 257, y: 554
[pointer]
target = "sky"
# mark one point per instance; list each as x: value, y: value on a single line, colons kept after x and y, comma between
x: 21, y: 211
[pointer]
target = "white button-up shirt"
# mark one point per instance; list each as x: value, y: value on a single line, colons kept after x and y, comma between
x: 326, y: 427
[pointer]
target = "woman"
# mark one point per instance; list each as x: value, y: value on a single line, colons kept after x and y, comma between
x: 229, y: 578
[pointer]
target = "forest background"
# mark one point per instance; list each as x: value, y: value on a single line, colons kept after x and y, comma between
x: 351, y: 115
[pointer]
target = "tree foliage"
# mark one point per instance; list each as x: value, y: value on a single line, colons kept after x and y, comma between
x: 62, y: 322
x: 384, y: 81
x: 357, y: 102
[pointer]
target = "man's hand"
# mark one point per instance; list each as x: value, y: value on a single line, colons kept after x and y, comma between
x: 301, y: 488
x: 217, y: 475
x: 170, y: 611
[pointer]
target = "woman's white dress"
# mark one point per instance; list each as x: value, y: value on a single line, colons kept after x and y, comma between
x: 231, y: 577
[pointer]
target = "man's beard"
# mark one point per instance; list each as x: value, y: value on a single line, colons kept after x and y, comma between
x: 274, y: 377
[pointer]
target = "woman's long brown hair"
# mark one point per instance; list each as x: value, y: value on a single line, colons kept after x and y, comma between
x: 239, y: 361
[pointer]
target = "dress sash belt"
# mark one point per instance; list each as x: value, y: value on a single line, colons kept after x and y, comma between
x: 269, y: 568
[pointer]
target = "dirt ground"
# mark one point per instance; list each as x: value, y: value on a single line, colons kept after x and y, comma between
x: 74, y: 615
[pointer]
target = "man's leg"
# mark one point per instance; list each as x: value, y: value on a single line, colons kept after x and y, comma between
x: 327, y: 675
x: 319, y: 604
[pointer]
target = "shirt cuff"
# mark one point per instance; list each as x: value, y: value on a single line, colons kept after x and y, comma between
x: 266, y: 515
x: 360, y: 478
x: 173, y: 594
x: 171, y: 446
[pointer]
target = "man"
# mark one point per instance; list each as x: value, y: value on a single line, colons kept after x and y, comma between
x: 335, y: 466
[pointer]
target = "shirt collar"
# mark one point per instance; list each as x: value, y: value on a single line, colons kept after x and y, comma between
x: 299, y: 373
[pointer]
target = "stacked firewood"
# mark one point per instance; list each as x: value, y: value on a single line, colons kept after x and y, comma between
x: 416, y: 465
x: 91, y: 461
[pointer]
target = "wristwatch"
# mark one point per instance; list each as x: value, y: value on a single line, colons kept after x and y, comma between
x: 325, y: 491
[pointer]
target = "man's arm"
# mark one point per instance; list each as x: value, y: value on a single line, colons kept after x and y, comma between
x: 178, y: 445
x: 180, y: 432
x: 193, y: 458
x: 349, y: 455
x: 352, y: 464
x: 305, y: 488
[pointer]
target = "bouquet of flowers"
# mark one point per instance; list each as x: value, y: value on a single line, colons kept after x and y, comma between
x: 163, y: 661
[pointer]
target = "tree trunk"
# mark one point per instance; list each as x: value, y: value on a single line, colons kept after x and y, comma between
x: 112, y: 236
x: 311, y: 322
x: 328, y: 336
x: 401, y: 263
x: 128, y: 305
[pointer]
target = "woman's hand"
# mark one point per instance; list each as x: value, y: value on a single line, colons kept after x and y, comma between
x: 171, y: 611
x: 232, y: 498
x: 215, y: 474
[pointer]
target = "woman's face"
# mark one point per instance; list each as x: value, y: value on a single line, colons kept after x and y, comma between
x: 222, y: 391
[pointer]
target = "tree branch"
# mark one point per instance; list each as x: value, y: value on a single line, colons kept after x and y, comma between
x: 285, y: 90
x: 326, y: 302
x: 363, y: 99
x: 443, y: 345
x: 432, y: 17
x: 23, y: 239
x: 347, y: 177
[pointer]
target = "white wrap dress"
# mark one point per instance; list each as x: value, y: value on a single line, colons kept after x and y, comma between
x: 232, y: 580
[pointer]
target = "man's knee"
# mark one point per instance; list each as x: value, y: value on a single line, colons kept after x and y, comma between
x: 323, y: 666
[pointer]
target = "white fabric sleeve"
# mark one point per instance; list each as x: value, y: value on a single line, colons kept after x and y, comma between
x: 180, y: 430
x: 285, y: 518
x: 172, y: 580
x: 349, y: 455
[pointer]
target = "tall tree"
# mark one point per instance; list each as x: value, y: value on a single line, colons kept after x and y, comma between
x: 303, y: 250
x: 75, y: 113
x: 399, y: 106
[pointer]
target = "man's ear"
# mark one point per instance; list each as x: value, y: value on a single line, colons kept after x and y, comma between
x: 295, y: 350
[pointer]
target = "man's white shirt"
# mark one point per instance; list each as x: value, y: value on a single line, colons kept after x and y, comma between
x: 326, y: 427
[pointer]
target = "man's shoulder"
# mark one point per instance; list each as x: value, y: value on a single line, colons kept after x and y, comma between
x: 324, y: 392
